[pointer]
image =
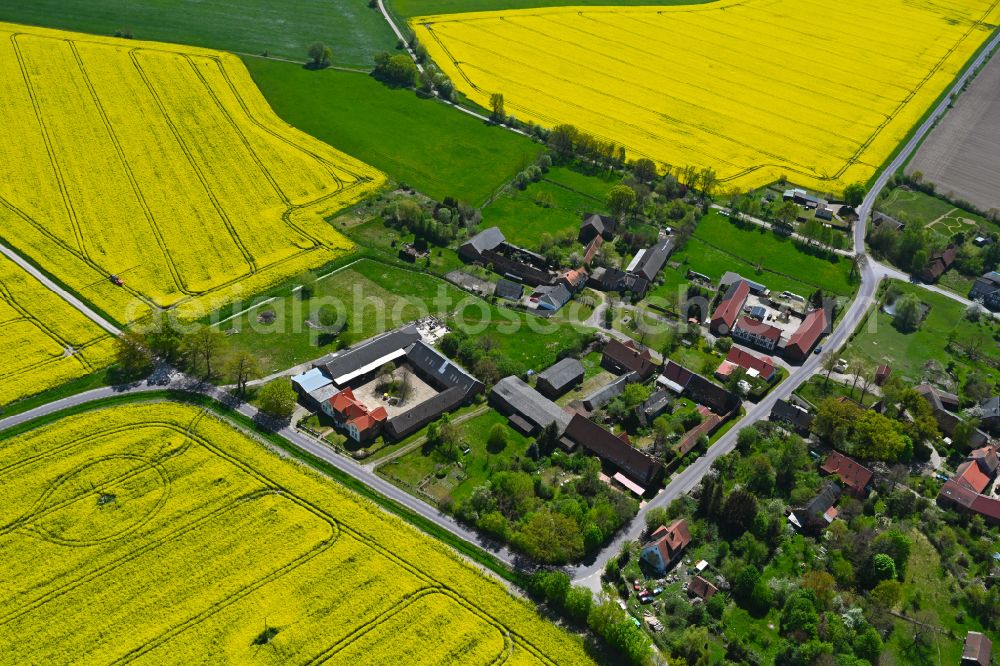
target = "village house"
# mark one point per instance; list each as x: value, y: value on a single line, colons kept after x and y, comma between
x: 701, y: 588
x: 881, y: 220
x: 682, y: 381
x: 819, y: 513
x: 605, y: 394
x: 665, y: 545
x: 624, y: 357
x: 615, y: 450
x: 729, y: 308
x: 939, y: 263
x: 986, y: 290
x: 977, y: 651
x: 805, y: 337
x: 756, y: 333
x: 490, y: 248
x: 794, y: 416
x: 943, y: 406
x: 353, y: 416
x: 528, y: 411
x: 855, y: 477
x: 755, y: 366
x: 595, y: 225
x: 559, y: 378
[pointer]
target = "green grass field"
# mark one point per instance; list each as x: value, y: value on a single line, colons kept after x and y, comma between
x: 932, y: 213
x: 421, y: 142
x: 350, y: 28
x: 878, y: 341
x: 719, y: 246
x: 554, y: 204
x: 375, y: 297
x: 426, y: 7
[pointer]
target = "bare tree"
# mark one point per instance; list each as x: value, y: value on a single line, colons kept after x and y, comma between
x: 243, y: 367
x: 857, y: 368
x: 405, y: 385
x: 828, y: 363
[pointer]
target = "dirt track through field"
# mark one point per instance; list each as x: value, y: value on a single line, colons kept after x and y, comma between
x: 962, y: 156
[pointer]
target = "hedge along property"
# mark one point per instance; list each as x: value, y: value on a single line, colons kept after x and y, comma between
x: 161, y: 167
x: 822, y: 93
x: 157, y: 533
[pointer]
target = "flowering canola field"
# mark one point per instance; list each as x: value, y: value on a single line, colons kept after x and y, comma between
x: 163, y: 165
x: 820, y: 91
x: 44, y: 341
x: 157, y: 533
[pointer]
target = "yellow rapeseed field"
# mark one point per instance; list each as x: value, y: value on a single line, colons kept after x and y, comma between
x: 820, y: 91
x: 158, y: 533
x: 162, y: 165
x: 44, y: 341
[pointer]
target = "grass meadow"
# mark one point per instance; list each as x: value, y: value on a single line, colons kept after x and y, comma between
x: 354, y: 31
x: 420, y: 142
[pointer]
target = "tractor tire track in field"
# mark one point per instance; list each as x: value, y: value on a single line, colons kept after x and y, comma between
x: 49, y: 148
x: 175, y: 275
x: 247, y: 256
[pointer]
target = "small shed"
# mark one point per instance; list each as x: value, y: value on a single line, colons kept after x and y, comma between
x: 559, y: 378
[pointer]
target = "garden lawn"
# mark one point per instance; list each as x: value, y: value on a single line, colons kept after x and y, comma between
x: 816, y: 390
x: 354, y: 31
x: 878, y: 341
x: 782, y: 260
x: 420, y: 142
x: 929, y: 211
x: 480, y: 462
x: 553, y: 205
x: 374, y: 297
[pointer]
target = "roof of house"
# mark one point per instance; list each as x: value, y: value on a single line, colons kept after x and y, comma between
x: 311, y: 380
x: 878, y: 219
x: 758, y: 328
x: 954, y: 491
x: 786, y: 411
x: 990, y: 407
x: 655, y: 405
x: 638, y: 466
x: 978, y: 649
x: 808, y: 332
x: 986, y: 506
x: 653, y: 258
x: 679, y: 379
x: 700, y: 587
x: 443, y: 372
x: 424, y: 412
x: 509, y: 289
x: 529, y: 403
x: 971, y: 476
x: 555, y: 296
x: 851, y: 473
x: 630, y: 356
x: 939, y: 399
x: 346, y: 365
x: 592, y: 249
x: 669, y: 541
x: 487, y: 239
x: 984, y: 285
x: 729, y: 277
x: 987, y: 458
x: 576, y: 277
x: 675, y: 376
x: 605, y: 394
x: 824, y: 500
x: 730, y: 305
x: 599, y: 222
x: 563, y: 373
x: 744, y: 359
x: 356, y: 413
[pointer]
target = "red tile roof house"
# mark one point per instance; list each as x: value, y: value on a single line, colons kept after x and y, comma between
x: 978, y: 650
x: 958, y: 496
x: 621, y: 358
x: 666, y: 545
x: 756, y: 333
x: 353, y: 416
x: 724, y: 317
x: 806, y: 336
x: 938, y: 264
x: 738, y: 358
x: 701, y: 588
x: 853, y: 476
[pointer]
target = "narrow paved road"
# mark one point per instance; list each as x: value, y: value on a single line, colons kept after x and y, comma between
x: 65, y: 295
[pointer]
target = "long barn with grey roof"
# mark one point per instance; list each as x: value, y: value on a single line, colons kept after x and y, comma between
x: 528, y: 410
